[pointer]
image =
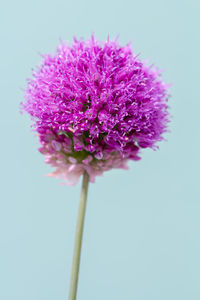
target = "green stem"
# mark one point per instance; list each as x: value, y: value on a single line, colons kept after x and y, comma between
x: 78, y: 238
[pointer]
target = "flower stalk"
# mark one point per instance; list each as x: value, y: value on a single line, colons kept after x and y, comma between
x: 78, y: 238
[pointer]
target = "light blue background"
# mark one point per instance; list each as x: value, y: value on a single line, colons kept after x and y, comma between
x: 141, y: 238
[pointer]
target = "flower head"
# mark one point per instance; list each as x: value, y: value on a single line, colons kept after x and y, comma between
x: 94, y: 106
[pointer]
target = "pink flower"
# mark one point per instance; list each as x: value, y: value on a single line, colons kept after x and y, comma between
x: 94, y: 106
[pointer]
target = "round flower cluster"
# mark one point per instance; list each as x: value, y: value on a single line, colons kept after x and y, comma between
x: 94, y: 105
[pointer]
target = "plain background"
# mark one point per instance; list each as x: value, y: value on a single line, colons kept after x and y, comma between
x: 141, y: 238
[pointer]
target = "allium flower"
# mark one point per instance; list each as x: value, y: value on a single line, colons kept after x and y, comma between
x: 94, y: 106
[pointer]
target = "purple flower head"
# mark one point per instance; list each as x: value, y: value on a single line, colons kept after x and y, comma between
x: 94, y: 106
